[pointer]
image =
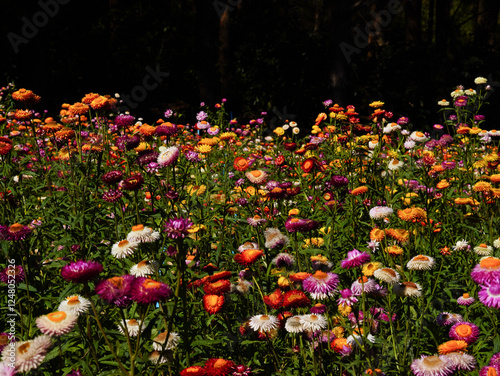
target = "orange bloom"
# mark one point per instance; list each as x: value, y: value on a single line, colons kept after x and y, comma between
x: 398, y: 234
x: 406, y: 214
x: 147, y: 130
x: 338, y: 344
x: 452, y: 346
x: 481, y: 186
x: 193, y: 371
x: 465, y: 201
x: 23, y: 95
x: 495, y: 178
x: 220, y: 275
x: 377, y: 234
x: 320, y: 118
x: 308, y: 165
x: 274, y: 300
x: 213, y: 303
x: 295, y: 299
x: 394, y: 250
x: 442, y: 184
x: 256, y: 176
x: 240, y: 164
x: 248, y: 256
x: 299, y: 277
x: 359, y: 190
x: 217, y: 288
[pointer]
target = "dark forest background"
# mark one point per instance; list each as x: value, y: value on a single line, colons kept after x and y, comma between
x: 259, y: 54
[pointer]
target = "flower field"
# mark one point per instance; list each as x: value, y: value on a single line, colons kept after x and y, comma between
x: 208, y: 246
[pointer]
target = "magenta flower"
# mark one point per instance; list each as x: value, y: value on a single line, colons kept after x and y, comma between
x: 489, y: 294
x: 487, y: 270
x: 354, y: 259
x: 81, y: 271
x: 112, y: 195
x: 14, y: 232
x: 112, y: 177
x: 362, y: 285
x: 17, y: 272
x: 146, y: 290
x: 177, y: 227
x: 116, y: 290
x: 122, y: 121
x: 464, y: 331
x: 300, y: 225
x: 321, y: 285
x: 133, y: 183
x: 164, y: 130
x: 346, y: 298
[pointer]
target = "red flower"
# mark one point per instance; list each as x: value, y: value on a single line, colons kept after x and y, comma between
x: 295, y: 299
x: 220, y: 275
x: 217, y: 288
x: 308, y: 165
x: 193, y: 371
x: 248, y: 256
x: 279, y: 161
x: 218, y: 367
x: 5, y: 145
x: 240, y: 164
x: 274, y: 300
x: 290, y: 146
x: 213, y: 303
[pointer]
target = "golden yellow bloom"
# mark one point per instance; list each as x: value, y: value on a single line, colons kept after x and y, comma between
x: 338, y: 331
x: 442, y: 184
x: 324, y: 230
x: 283, y: 282
x: 475, y: 130
x: 370, y: 267
x: 319, y: 258
x: 293, y: 212
x: 394, y: 250
x: 344, y: 309
x: 376, y: 104
x: 480, y: 164
x: 203, y: 148
x: 493, y: 157
x: 481, y: 186
x: 209, y: 141
x: 317, y: 242
x: 227, y: 135
x: 279, y: 131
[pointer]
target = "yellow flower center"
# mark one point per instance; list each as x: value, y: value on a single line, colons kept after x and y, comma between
x: 57, y: 316
x: 432, y: 361
x: 256, y: 173
x: 72, y: 300
x: 264, y: 318
x: 138, y: 228
x: 466, y: 296
x: 132, y: 322
x: 490, y: 262
x: 320, y: 274
x: 16, y: 227
x: 421, y: 258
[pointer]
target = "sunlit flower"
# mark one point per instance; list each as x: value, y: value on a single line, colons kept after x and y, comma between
x: 452, y: 346
x: 313, y: 322
x: 487, y: 270
x: 218, y: 367
x: 274, y: 238
x: 380, y: 212
x: 363, y: 284
x: 489, y: 294
x: 354, y: 259
x: 461, y: 361
x: 123, y: 249
x: 465, y: 331
x: 248, y: 256
x: 284, y: 260
x: 294, y: 325
x: 483, y: 249
x: 294, y: 224
x: 263, y: 323
x: 387, y: 275
x: 193, y: 371
x: 411, y: 289
x: 465, y: 300
x: 144, y: 268
x: 146, y: 290
x: 346, y: 297
x: 256, y: 176
x: 295, y: 299
x: 56, y: 323
x: 370, y: 267
x: 12, y: 275
x: 446, y: 318
x: 29, y: 354
x: 160, y: 341
x: 14, y: 232
x: 81, y: 271
x: 213, y: 303
x: 116, y: 290
x: 75, y: 303
x: 167, y: 156
x: 321, y: 285
x: 132, y: 327
x: 421, y: 262
x: 432, y: 366
x: 142, y: 234
x: 177, y: 227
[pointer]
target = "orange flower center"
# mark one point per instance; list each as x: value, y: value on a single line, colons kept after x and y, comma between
x: 294, y: 220
x: 411, y: 285
x: 432, y: 361
x: 132, y: 322
x: 116, y: 281
x: 421, y: 258
x: 389, y: 271
x: 490, y: 262
x: 150, y: 284
x: 57, y: 316
x: 123, y: 243
x: 219, y: 363
x: 320, y: 274
x: 138, y: 228
x: 242, y: 162
x: 142, y: 264
x: 463, y: 330
x: 491, y: 372
x: 16, y: 227
x: 24, y: 348
x: 466, y: 296
x: 419, y: 134
x: 72, y: 300
x: 482, y: 245
x: 264, y: 318
x: 256, y: 173
x: 4, y: 339
x: 313, y: 318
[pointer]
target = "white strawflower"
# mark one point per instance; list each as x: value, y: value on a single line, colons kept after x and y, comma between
x: 480, y: 80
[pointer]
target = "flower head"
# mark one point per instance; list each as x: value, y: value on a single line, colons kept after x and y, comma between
x: 146, y: 290
x: 167, y: 156
x: 29, y: 354
x: 432, y: 366
x: 489, y: 294
x: 354, y: 259
x: 56, y: 323
x: 321, y: 285
x: 14, y: 232
x: 75, y: 303
x: 81, y: 271
x: 248, y: 256
x: 142, y: 234
x: 465, y: 331
x: 116, y: 290
x: 17, y: 272
x: 218, y: 367
x: 177, y: 227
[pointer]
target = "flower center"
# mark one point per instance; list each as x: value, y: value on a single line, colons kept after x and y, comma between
x: 410, y: 285
x: 256, y: 173
x: 466, y: 296
x: 419, y: 134
x: 363, y: 279
x: 389, y: 271
x: 138, y: 228
x: 16, y: 227
x: 421, y: 258
x: 219, y: 363
x: 320, y: 274
x: 4, y: 339
x: 116, y: 281
x: 482, y: 245
x: 492, y: 371
x: 132, y: 322
x: 72, y: 300
x: 150, y: 284
x: 495, y: 290
x: 264, y: 318
x: 57, y: 316
x: 490, y: 262
x: 142, y: 264
x: 24, y: 348
x: 463, y: 330
x: 433, y: 362
x: 313, y: 318
x: 123, y: 243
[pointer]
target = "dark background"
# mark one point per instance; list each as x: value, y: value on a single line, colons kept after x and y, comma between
x: 259, y: 54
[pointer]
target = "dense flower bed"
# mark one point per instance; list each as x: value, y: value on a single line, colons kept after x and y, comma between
x: 214, y: 248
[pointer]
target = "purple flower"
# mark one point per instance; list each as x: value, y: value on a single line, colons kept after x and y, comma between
x: 327, y: 103
x: 346, y: 298
x: 127, y: 142
x: 168, y: 113
x: 202, y: 115
x: 339, y: 181
x: 147, y: 157
x: 166, y: 130
x: 112, y: 195
x: 354, y: 259
x: 192, y: 156
x: 16, y: 271
x: 132, y: 183
x: 321, y: 285
x: 123, y: 121
x: 489, y: 294
x: 81, y: 271
x: 14, y: 232
x: 116, y: 290
x: 112, y: 177
x: 145, y: 291
x: 461, y: 101
x: 363, y: 284
x: 74, y: 372
x: 300, y: 225
x: 177, y: 227
x: 284, y: 260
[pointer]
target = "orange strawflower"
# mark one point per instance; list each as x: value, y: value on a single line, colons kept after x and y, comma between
x: 452, y: 346
x: 248, y: 256
x: 359, y: 190
x: 213, y: 303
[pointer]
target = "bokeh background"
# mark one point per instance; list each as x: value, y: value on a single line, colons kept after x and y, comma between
x: 259, y: 54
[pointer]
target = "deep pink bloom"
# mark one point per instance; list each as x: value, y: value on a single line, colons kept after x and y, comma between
x: 17, y: 272
x: 112, y: 177
x: 177, y: 227
x: 133, y: 183
x: 487, y: 270
x: 146, y: 290
x: 116, y: 290
x: 81, y: 271
x: 354, y: 259
x: 363, y: 284
x: 465, y: 331
x: 112, y: 195
x: 347, y: 297
x: 321, y: 285
x: 300, y: 225
x: 490, y: 370
x: 489, y: 294
x: 123, y: 120
x: 14, y: 232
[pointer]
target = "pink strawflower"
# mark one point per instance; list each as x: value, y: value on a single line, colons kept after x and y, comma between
x: 436, y: 365
x: 81, y: 271
x: 466, y: 300
x: 321, y: 285
x: 146, y: 290
x: 363, y: 284
x: 116, y: 290
x: 465, y: 331
x: 354, y: 259
x: 14, y: 232
x: 487, y: 270
x: 347, y: 298
x: 489, y: 294
x: 17, y: 272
